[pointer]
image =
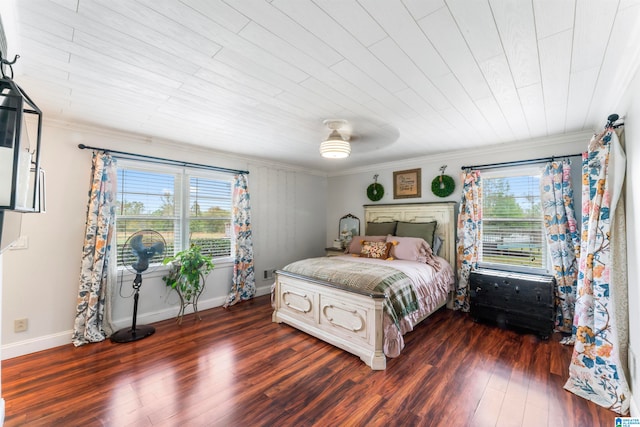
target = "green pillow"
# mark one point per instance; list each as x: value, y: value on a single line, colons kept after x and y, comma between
x: 381, y: 228
x: 424, y: 230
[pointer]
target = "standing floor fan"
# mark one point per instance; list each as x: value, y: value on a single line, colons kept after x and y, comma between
x: 143, y: 248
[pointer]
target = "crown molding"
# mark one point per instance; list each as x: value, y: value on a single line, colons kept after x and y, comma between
x: 513, y: 147
x: 249, y: 162
x: 236, y: 161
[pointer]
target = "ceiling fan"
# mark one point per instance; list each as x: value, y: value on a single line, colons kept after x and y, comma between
x: 336, y: 146
x: 342, y: 140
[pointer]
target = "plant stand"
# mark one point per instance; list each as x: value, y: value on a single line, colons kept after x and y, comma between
x: 184, y: 304
x: 187, y: 275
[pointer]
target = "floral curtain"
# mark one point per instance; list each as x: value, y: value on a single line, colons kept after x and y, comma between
x: 597, y: 370
x: 90, y: 324
x: 562, y: 238
x: 469, y: 235
x: 243, y: 286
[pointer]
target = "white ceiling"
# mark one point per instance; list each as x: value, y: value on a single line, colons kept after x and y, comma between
x: 258, y: 77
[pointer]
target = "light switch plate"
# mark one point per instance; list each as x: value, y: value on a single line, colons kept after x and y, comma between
x: 21, y: 243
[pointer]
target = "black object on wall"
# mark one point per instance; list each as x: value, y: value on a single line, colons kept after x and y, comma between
x: 21, y: 177
x: 20, y: 136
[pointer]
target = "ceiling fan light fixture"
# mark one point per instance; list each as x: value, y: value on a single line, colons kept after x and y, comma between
x: 335, y: 147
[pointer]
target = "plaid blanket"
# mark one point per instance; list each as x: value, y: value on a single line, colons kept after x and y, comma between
x: 397, y: 287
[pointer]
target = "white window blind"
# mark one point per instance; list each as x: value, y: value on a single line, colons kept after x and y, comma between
x: 185, y: 206
x: 210, y: 215
x: 512, y: 223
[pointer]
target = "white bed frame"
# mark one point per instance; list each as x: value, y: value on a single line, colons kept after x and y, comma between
x: 350, y: 319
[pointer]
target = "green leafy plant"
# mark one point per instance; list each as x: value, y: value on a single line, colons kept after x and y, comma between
x: 189, y: 268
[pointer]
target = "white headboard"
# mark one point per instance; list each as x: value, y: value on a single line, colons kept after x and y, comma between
x: 442, y: 212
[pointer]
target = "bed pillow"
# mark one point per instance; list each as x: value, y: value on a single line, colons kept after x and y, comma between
x: 355, y: 246
x: 424, y: 230
x: 409, y: 248
x: 381, y: 228
x: 378, y: 250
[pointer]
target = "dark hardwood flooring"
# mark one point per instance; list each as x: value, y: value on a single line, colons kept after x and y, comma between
x: 237, y: 368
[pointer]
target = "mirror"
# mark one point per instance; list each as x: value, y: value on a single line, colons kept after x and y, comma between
x: 348, y: 227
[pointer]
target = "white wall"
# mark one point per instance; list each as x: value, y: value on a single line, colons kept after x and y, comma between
x: 40, y: 282
x: 347, y: 193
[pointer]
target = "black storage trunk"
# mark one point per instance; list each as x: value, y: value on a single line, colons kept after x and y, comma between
x: 513, y: 299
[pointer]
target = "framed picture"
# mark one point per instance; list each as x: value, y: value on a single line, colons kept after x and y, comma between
x: 407, y: 184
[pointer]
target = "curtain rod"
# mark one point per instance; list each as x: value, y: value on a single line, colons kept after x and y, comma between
x: 520, y: 162
x: 160, y: 160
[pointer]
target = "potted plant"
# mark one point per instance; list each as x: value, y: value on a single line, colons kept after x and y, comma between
x: 189, y: 268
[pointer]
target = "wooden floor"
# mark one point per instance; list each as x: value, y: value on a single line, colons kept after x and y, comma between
x: 236, y: 368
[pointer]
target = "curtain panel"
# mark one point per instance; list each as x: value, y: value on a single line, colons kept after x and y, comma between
x: 469, y: 235
x: 90, y: 324
x: 597, y: 371
x: 562, y: 238
x: 243, y: 286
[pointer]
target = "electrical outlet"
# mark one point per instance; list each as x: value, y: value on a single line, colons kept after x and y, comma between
x: 268, y: 274
x: 20, y: 325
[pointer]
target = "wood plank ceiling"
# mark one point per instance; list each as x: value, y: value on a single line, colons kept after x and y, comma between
x: 256, y: 77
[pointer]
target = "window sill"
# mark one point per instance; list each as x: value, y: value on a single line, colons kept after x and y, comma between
x: 162, y: 270
x: 513, y: 268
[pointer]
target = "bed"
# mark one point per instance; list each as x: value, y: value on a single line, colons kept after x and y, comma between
x: 355, y: 318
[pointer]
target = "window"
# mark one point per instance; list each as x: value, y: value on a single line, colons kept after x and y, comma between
x: 512, y: 224
x: 185, y: 206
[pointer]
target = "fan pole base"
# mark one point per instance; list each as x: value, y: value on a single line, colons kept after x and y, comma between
x: 129, y: 335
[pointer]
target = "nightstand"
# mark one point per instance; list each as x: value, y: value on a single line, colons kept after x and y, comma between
x: 333, y: 251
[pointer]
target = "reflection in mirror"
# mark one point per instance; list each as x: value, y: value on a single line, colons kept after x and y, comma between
x: 348, y: 227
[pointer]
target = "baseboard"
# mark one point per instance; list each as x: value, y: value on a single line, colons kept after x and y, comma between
x: 33, y: 345
x: 169, y: 313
